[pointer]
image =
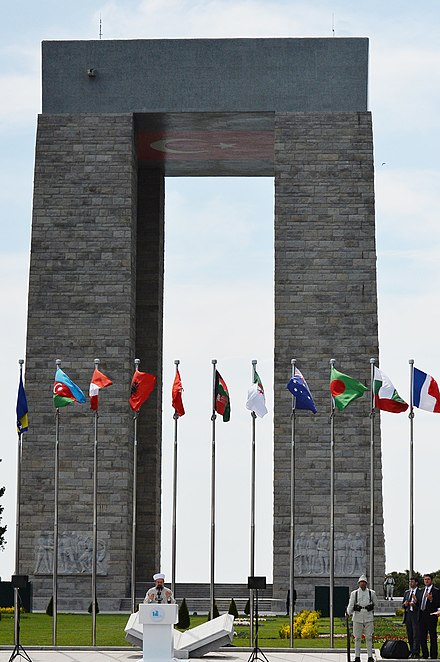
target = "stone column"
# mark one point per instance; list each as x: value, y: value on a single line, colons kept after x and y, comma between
x: 325, y: 307
x: 82, y: 302
x: 149, y: 325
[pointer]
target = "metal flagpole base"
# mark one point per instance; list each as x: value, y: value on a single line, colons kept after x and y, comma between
x: 19, y: 652
x: 257, y: 654
x: 18, y: 649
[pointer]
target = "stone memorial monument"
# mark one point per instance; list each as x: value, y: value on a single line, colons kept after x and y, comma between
x: 117, y: 118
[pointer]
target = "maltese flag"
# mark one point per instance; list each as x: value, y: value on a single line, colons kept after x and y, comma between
x: 426, y: 393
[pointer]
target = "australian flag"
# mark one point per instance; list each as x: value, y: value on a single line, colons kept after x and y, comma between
x: 303, y: 398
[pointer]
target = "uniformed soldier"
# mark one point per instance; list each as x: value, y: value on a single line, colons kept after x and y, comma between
x: 159, y: 592
x: 361, y: 607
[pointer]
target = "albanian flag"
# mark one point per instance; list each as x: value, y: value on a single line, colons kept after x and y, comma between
x: 142, y: 385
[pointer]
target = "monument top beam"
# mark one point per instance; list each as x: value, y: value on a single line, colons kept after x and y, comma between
x: 205, y: 75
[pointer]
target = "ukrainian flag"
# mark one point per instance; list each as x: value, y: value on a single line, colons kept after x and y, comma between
x: 22, y: 409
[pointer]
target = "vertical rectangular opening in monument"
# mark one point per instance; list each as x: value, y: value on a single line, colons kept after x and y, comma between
x: 218, y: 304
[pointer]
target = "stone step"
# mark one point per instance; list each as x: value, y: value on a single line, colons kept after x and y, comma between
x: 203, y: 590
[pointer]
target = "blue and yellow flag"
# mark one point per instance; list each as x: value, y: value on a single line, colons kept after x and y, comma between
x: 22, y: 408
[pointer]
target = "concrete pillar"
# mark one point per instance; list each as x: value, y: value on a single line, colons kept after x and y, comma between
x: 325, y: 307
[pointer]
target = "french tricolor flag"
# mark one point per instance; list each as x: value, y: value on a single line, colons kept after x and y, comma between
x: 426, y: 393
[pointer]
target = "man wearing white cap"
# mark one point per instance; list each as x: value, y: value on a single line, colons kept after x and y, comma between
x: 159, y: 592
x: 361, y: 607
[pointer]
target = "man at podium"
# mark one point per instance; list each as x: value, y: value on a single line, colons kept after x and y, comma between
x: 159, y: 593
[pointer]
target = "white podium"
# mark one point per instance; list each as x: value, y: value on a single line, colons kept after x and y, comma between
x: 157, y: 622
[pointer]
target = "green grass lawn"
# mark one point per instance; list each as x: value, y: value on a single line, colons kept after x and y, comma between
x: 76, y: 630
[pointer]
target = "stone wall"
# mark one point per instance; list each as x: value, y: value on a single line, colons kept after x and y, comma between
x: 325, y: 307
x: 82, y: 305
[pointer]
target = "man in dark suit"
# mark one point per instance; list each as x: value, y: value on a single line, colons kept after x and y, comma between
x: 411, y: 618
x: 429, y: 602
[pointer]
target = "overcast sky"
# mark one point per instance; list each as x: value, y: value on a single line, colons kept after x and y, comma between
x: 404, y: 97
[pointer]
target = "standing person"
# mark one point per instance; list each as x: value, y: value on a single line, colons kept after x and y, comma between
x: 429, y: 602
x: 159, y: 592
x: 411, y: 617
x: 389, y: 587
x: 361, y: 607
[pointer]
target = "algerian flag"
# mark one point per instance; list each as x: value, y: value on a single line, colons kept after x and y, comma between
x: 345, y: 389
x: 386, y: 397
x: 256, y: 400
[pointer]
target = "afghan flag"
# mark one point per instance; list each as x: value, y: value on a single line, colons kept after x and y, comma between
x: 176, y: 395
x: 65, y: 392
x: 22, y: 408
x: 142, y: 385
x: 99, y: 380
x: 256, y: 400
x: 386, y: 397
x: 345, y: 389
x: 221, y: 397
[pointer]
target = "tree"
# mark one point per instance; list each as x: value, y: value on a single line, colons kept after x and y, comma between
x: 2, y: 528
x: 247, y: 608
x: 184, y: 619
x: 233, y: 609
x: 216, y: 612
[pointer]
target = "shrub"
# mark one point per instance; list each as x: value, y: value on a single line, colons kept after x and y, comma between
x: 184, y: 620
x: 305, y: 626
x: 216, y: 612
x: 233, y: 608
x: 247, y: 607
x: 90, y: 607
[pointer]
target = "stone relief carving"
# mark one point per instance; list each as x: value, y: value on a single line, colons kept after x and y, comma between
x: 75, y: 554
x: 312, y: 554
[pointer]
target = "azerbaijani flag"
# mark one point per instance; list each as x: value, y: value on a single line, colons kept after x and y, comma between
x: 142, y: 385
x: 65, y: 392
x: 386, y: 397
x: 176, y: 395
x: 256, y: 400
x: 22, y: 408
x: 221, y: 396
x: 426, y: 394
x: 345, y: 389
x: 99, y: 380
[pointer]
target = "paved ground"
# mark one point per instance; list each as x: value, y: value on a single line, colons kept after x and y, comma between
x: 133, y: 655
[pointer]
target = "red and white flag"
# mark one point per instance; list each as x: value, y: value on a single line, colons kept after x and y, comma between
x: 99, y: 380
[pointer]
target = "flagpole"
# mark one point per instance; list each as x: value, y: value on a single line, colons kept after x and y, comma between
x: 411, y: 468
x: 292, y: 511
x: 133, y: 535
x: 55, y: 526
x: 252, y: 560
x: 213, y: 417
x: 17, y: 524
x: 332, y: 508
x: 95, y: 520
x: 372, y: 417
x: 174, y: 528
x: 17, y: 517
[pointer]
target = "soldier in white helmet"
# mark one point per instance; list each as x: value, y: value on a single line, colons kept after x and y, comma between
x: 159, y: 592
x: 361, y: 607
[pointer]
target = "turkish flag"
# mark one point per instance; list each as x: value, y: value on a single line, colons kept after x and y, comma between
x: 176, y: 393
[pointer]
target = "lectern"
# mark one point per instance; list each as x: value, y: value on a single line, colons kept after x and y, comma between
x: 157, y: 622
